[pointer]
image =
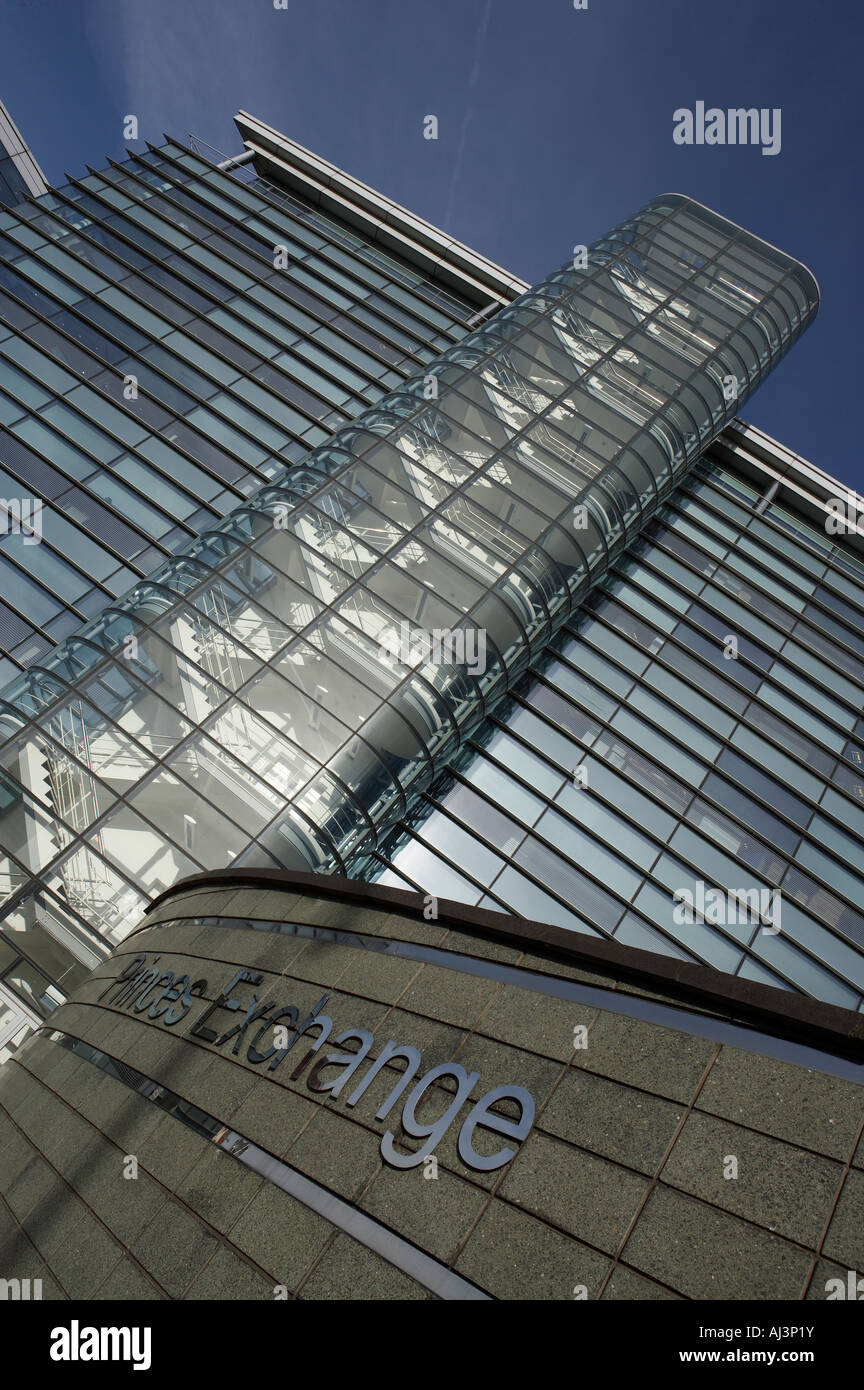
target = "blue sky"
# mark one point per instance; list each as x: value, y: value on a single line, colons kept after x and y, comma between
x: 553, y: 125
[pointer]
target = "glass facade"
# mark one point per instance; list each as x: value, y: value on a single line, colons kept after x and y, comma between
x: 279, y: 481
x: 156, y: 368
x: 20, y: 175
x: 637, y: 756
x: 12, y: 185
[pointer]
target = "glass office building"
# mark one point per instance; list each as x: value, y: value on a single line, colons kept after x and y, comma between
x: 157, y: 369
x: 284, y: 436
x: 153, y: 377
x: 695, y: 767
x: 20, y: 175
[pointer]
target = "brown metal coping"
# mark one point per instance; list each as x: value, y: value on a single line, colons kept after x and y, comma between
x: 781, y: 1012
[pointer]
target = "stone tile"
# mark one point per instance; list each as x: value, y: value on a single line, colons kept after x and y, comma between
x: 592, y: 1199
x: 74, y: 1162
x: 282, y: 1235
x: 480, y: 948
x: 182, y: 1068
x: 227, y: 1277
x: 449, y: 996
x: 69, y: 1018
x: 53, y: 1219
x: 36, y: 1110
x: 67, y: 1064
x: 272, y: 1117
x: 323, y: 962
x: 82, y: 1261
x: 372, y: 920
x: 500, y: 1065
x: 37, y: 1056
x: 174, y: 1248
x: 31, y: 1187
x: 270, y: 951
x: 437, y: 1042
x: 627, y: 1126
x: 205, y: 902
x: 349, y: 1011
x: 106, y: 1096
x: 708, y: 1254
x: 125, y: 1205
x: 223, y: 1085
x: 275, y: 990
x: 20, y: 1261
x: 129, y: 1119
x: 113, y: 1034
x: 103, y: 1094
x: 510, y: 1255
x: 51, y: 1290
x: 535, y: 1022
x: 127, y: 1283
x: 219, y: 1187
x: 154, y: 1050
x: 88, y: 992
x: 791, y: 1102
x: 19, y: 1082
x: 173, y: 940
x: 66, y: 1139
x: 629, y: 1287
x: 786, y: 1189
x: 74, y: 1089
x: 9, y: 1229
x: 336, y: 1152
x: 17, y: 1153
x: 845, y: 1239
x: 656, y: 1059
x: 434, y: 1213
x: 171, y: 1151
x: 330, y: 913
x: 351, y: 1271
x: 416, y: 929
x: 234, y: 902
x: 150, y: 938
x: 190, y: 1066
x: 377, y: 976
x: 198, y: 903
x: 277, y: 906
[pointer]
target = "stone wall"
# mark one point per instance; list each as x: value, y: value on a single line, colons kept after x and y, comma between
x: 618, y: 1190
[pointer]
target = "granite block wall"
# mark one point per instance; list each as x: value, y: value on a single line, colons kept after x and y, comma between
x: 624, y: 1187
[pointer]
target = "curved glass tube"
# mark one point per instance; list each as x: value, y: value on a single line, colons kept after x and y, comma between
x: 281, y: 692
